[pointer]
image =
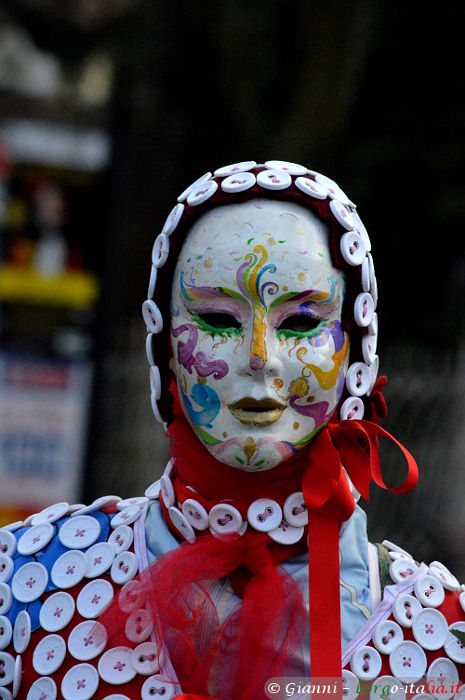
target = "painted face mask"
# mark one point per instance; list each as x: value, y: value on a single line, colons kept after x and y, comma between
x: 259, y: 353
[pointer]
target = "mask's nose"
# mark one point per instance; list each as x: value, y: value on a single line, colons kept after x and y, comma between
x: 259, y: 359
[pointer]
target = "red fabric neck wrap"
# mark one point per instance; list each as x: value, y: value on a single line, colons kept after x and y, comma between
x: 232, y: 659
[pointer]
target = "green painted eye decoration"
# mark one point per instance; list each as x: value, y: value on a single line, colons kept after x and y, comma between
x: 218, y: 324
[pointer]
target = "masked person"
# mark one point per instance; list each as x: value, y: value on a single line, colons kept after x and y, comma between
x: 249, y: 559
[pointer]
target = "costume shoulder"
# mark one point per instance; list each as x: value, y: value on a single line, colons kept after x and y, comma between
x: 58, y: 570
x: 416, y: 635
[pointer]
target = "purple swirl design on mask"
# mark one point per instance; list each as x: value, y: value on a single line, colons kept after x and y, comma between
x: 200, y: 361
x: 317, y: 411
x: 332, y: 330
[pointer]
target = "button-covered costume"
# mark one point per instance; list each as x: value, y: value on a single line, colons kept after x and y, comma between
x: 249, y: 559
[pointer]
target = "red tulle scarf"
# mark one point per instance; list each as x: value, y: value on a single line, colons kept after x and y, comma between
x: 232, y: 658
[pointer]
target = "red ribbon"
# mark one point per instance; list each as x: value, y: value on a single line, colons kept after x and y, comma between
x: 354, y: 445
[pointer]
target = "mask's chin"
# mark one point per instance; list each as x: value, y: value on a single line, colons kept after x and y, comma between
x: 252, y: 454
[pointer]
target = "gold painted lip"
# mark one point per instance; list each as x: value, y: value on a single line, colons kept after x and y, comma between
x: 259, y: 412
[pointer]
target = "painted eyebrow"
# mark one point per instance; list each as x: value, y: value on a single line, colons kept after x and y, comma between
x: 191, y: 292
x: 308, y: 295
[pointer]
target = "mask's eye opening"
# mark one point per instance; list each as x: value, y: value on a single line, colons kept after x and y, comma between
x: 218, y: 320
x: 299, y: 323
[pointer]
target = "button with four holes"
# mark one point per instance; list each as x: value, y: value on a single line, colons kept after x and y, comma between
x: 79, y: 532
x: 22, y: 632
x: 115, y: 666
x: 430, y: 628
x: 93, y: 597
x: 80, y: 682
x: 408, y: 662
x: 57, y: 611
x: 49, y: 654
x: 69, y: 569
x: 87, y: 640
x: 29, y: 582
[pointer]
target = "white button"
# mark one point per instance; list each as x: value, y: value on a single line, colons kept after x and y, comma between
x: 150, y: 295
x: 364, y: 309
x: 224, y: 518
x: 158, y: 685
x: 145, y: 659
x: 343, y: 216
x: 395, y: 548
x: 155, y: 409
x: 234, y: 168
x: 87, y: 640
x: 51, y: 514
x: 138, y: 626
x: 102, y: 502
x: 99, y: 559
x: 361, y: 230
x: 79, y: 532
x: 134, y: 501
x: 295, y: 511
x: 29, y: 582
x: 155, y: 385
x: 374, y: 369
x: 49, y: 654
x: 183, y: 196
x: 286, y: 534
x: 18, y: 677
x: 430, y: 628
x: 153, y: 490
x: 167, y: 491
x: 405, y: 608
x: 387, y: 635
x: 395, y: 555
x: 169, y: 468
x: 6, y: 598
x: 6, y: 567
x: 369, y: 345
x: 373, y: 282
x: 7, y: 667
x: 429, y: 591
x: 80, y: 682
x: 274, y: 179
x: 152, y: 316
x: 365, y: 275
x: 181, y: 523
x: 447, y: 579
x: 131, y: 596
x: 121, y: 539
x: 69, y: 569
x: 195, y: 513
x: 57, y: 611
x: 42, y: 689
x: 312, y: 188
x: 173, y: 219
x: 387, y: 687
x: 401, y: 569
x: 115, y: 666
x: 124, y: 567
x: 366, y: 663
x: 202, y: 192
x: 291, y: 168
x: 116, y: 696
x: 352, y: 409
x: 352, y: 248
x: 238, y: 182
x: 160, y: 250
x: 94, y: 597
x: 12, y: 527
x: 443, y: 678
x: 22, y: 632
x: 7, y: 543
x: 349, y: 685
x: 408, y: 662
x: 6, y: 632
x: 5, y: 694
x: 29, y: 518
x: 264, y: 514
x: 74, y: 507
x: 35, y: 539
x: 127, y: 516
x: 358, y: 379
x: 453, y: 646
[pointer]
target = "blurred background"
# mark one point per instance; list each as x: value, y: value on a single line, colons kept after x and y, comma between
x: 109, y: 108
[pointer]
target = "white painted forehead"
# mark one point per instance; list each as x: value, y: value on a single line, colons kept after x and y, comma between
x: 237, y: 222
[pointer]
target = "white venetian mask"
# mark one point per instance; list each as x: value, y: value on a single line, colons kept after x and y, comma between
x: 259, y: 353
